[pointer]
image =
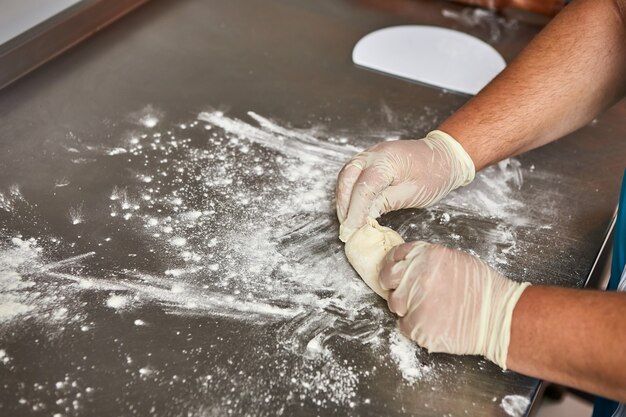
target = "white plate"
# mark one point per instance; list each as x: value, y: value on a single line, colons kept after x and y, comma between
x: 431, y: 55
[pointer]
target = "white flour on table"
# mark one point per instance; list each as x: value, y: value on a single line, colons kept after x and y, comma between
x: 515, y: 405
x: 405, y: 353
x: 241, y: 216
x: 496, y: 26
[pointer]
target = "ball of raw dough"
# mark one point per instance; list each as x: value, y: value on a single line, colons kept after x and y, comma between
x: 366, y: 249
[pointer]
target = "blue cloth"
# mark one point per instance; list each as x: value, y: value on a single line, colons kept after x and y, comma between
x: 603, y: 407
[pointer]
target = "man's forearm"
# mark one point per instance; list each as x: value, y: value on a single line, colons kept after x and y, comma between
x: 573, y: 337
x: 574, y: 69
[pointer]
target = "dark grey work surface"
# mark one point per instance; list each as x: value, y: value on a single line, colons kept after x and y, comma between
x: 289, y: 61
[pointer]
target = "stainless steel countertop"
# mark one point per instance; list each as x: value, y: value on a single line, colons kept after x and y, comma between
x: 69, y: 135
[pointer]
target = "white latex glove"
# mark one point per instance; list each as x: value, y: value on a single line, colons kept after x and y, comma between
x: 450, y: 301
x: 400, y: 174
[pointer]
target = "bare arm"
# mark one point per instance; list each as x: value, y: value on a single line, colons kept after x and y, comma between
x: 573, y: 337
x: 574, y: 69
x: 571, y: 72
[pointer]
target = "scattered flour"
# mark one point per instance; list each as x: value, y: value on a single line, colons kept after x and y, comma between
x: 240, y: 216
x: 515, y: 405
x: 117, y: 301
x: 75, y: 215
x: 145, y: 371
x: 26, y: 290
x: 495, y: 25
x: 11, y: 199
x: 148, y: 117
x: 13, y: 286
x: 10, y: 309
x: 404, y: 352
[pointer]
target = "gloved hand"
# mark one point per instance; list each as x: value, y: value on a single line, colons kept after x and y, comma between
x: 400, y: 174
x: 450, y: 301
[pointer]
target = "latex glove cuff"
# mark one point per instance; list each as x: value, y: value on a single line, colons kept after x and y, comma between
x: 465, y: 166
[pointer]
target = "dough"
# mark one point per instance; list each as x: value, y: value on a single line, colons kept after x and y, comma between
x: 366, y: 249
